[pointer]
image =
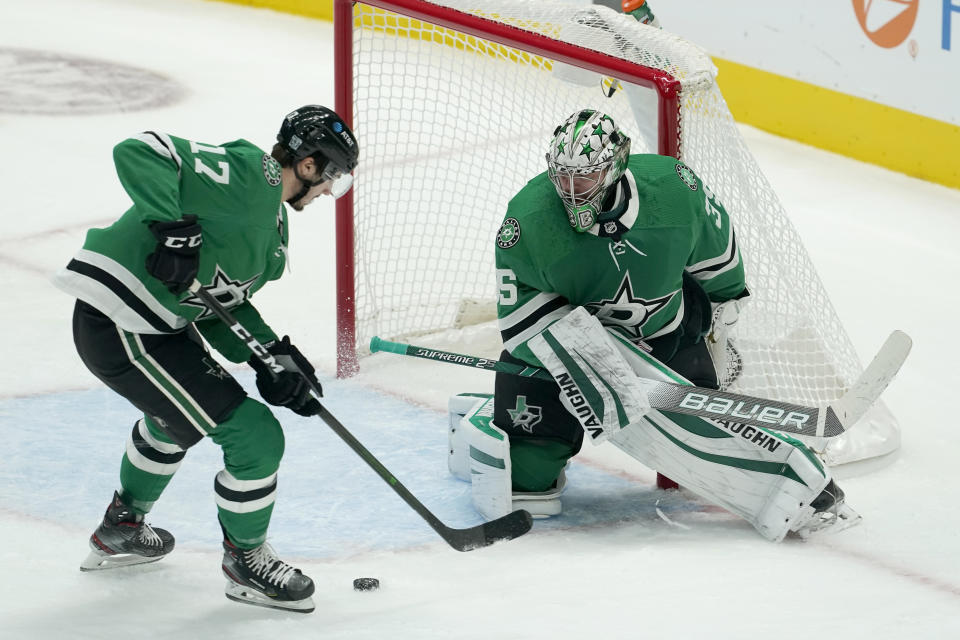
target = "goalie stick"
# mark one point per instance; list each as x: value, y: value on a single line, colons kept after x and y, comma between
x: 825, y: 421
x: 510, y: 526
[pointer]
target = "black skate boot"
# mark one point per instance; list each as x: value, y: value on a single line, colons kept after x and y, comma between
x: 257, y: 576
x: 123, y: 538
x: 830, y: 496
x: 830, y: 513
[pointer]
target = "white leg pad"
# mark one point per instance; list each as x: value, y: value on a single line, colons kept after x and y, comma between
x: 490, y: 470
x: 479, y: 453
x: 766, y: 478
x: 769, y: 489
x: 458, y: 449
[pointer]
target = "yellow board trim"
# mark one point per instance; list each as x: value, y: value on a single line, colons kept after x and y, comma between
x: 854, y: 127
x: 831, y: 120
x: 321, y: 9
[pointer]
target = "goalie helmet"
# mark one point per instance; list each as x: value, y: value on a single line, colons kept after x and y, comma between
x: 588, y: 155
x: 317, y: 132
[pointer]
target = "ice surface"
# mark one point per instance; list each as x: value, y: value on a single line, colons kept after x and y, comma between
x: 610, y: 567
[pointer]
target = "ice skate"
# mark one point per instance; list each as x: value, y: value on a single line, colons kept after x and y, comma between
x: 124, y: 539
x: 541, y: 504
x: 829, y: 513
x: 258, y: 577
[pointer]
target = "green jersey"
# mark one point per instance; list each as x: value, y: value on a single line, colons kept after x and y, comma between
x: 234, y: 189
x: 628, y: 270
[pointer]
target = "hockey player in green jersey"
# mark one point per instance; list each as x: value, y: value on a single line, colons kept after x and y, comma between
x: 214, y: 213
x: 614, y: 268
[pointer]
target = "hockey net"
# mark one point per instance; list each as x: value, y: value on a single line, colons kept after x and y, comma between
x: 454, y: 101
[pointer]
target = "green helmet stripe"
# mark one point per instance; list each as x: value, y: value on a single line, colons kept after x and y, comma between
x: 582, y: 118
x: 577, y: 128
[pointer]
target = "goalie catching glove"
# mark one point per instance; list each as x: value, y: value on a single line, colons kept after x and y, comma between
x: 291, y: 387
x: 726, y: 358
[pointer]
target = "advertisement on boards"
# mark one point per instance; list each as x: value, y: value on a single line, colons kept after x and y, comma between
x: 900, y: 53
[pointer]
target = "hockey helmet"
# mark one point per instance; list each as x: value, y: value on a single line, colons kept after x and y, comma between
x: 587, y: 156
x: 316, y: 131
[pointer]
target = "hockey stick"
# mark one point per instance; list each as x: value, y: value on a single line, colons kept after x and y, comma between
x: 510, y: 526
x: 826, y: 421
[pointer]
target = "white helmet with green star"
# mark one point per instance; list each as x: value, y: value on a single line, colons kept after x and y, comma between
x: 587, y: 155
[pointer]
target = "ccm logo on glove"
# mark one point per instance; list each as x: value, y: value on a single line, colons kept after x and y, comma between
x: 190, y: 242
x: 176, y: 260
x: 291, y: 386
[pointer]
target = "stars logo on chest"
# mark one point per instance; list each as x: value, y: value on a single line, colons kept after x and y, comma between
x: 627, y: 310
x: 226, y: 290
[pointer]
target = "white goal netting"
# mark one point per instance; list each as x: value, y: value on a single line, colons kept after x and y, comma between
x: 452, y: 125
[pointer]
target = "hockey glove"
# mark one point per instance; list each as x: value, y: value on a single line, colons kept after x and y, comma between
x: 291, y: 387
x: 176, y: 259
x: 726, y: 358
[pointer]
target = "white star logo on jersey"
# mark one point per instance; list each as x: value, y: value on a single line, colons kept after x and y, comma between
x: 626, y: 310
x: 226, y: 290
x: 524, y: 415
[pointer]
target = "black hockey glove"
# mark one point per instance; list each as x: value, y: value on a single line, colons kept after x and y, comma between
x: 176, y: 259
x: 289, y: 388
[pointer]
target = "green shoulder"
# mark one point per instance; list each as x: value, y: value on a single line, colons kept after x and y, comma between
x: 670, y: 192
x: 249, y: 182
x: 535, y: 222
x: 258, y: 167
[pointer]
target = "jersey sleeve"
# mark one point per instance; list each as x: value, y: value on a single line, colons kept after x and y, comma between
x: 715, y: 256
x: 148, y: 166
x: 226, y: 342
x: 525, y: 306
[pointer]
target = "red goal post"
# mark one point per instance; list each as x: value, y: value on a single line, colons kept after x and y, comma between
x: 666, y: 86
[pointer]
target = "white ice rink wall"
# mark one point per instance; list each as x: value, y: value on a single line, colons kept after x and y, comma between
x: 875, y: 80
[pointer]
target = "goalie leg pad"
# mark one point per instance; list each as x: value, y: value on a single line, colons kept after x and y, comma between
x: 458, y: 448
x: 764, y: 477
x: 480, y: 454
x: 490, y: 480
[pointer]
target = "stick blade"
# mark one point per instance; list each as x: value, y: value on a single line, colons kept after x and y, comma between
x: 874, y: 379
x: 513, y: 525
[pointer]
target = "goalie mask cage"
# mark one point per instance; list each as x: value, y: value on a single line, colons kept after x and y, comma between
x: 454, y: 101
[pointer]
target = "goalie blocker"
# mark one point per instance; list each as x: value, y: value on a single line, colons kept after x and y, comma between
x: 774, y: 482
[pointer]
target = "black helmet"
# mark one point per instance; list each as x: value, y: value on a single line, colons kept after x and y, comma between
x: 318, y: 132
x: 315, y: 131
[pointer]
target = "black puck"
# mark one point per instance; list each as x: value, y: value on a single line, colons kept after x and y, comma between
x: 366, y: 584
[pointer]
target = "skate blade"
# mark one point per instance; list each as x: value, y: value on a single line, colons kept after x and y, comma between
x: 247, y: 595
x: 844, y: 518
x: 99, y: 561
